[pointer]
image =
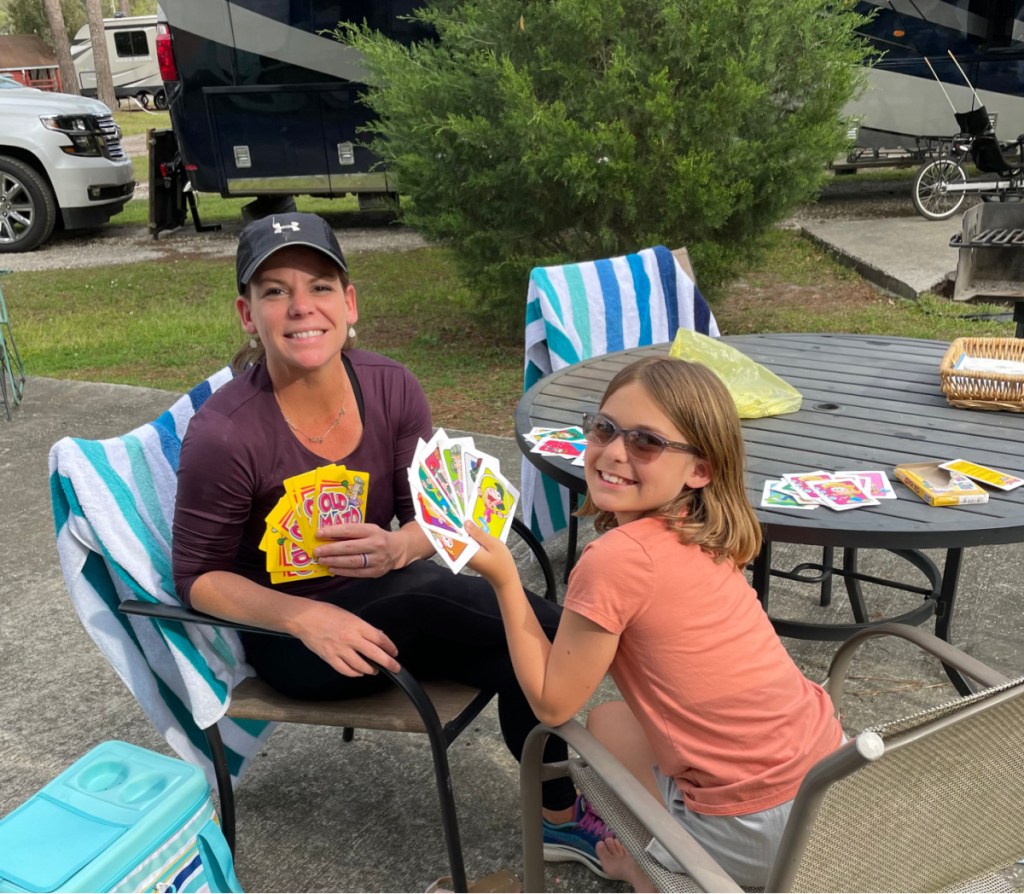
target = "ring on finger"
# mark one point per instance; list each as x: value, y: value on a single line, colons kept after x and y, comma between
x: 366, y: 560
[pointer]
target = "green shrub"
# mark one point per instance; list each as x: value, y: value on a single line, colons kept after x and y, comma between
x: 544, y: 131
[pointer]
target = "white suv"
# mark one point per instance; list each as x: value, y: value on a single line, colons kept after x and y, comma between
x: 61, y: 163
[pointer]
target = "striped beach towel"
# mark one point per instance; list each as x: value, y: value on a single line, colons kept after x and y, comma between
x: 113, y: 506
x: 577, y: 311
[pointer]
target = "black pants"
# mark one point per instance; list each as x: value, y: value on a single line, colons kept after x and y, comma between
x: 446, y: 626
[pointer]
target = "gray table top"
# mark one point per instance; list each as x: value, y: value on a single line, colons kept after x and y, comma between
x: 869, y: 402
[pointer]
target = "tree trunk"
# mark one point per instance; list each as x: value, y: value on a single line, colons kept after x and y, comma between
x: 61, y: 46
x: 101, y: 61
x: 126, y: 7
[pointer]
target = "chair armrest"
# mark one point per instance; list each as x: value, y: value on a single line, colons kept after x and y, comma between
x: 651, y: 813
x: 948, y: 654
x: 404, y: 680
x: 164, y: 612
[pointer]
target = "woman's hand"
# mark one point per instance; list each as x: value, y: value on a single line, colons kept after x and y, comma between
x: 359, y: 550
x: 493, y: 560
x: 345, y: 641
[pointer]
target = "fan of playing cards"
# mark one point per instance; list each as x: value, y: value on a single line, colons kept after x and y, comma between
x: 330, y: 495
x: 452, y: 481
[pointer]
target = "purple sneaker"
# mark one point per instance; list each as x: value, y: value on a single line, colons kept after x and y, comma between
x: 577, y: 839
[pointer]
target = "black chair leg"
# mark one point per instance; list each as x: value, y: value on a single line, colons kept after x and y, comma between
x: 224, y: 790
x: 442, y: 772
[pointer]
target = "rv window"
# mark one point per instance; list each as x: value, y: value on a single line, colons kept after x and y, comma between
x: 131, y: 43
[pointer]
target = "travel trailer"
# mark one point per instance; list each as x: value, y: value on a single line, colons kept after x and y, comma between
x: 263, y: 104
x: 131, y: 48
x: 903, y: 106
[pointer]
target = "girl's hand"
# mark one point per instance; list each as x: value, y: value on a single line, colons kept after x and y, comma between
x: 346, y: 641
x: 493, y: 560
x: 358, y: 550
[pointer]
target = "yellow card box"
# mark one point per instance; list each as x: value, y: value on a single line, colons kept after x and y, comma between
x: 938, y: 486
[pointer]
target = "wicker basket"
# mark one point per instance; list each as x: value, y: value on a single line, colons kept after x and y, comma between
x: 977, y: 390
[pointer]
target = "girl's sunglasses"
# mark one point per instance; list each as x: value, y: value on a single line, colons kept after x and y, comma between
x: 643, y: 446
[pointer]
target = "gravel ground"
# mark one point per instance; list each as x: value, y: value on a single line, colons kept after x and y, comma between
x: 849, y: 197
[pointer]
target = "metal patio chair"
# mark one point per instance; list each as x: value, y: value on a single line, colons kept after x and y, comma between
x: 930, y: 802
x: 578, y: 311
x: 12, y: 370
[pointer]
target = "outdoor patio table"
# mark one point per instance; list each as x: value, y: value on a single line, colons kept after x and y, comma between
x: 869, y: 402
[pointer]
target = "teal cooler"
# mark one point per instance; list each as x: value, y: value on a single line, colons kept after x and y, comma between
x: 121, y: 818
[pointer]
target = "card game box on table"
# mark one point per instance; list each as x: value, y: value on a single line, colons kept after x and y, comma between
x: 121, y: 818
x: 939, y: 486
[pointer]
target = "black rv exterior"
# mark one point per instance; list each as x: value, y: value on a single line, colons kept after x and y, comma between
x: 262, y: 103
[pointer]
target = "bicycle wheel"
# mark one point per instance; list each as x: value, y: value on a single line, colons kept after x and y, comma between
x: 931, y: 197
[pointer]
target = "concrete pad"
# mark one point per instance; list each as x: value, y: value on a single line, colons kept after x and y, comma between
x: 318, y: 814
x: 903, y: 255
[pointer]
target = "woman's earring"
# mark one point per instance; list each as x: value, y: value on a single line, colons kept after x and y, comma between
x: 253, y: 343
x: 351, y: 331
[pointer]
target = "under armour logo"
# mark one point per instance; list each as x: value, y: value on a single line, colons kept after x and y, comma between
x: 293, y: 226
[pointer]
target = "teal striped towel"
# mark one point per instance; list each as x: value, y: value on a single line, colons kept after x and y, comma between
x: 578, y: 311
x: 113, y: 506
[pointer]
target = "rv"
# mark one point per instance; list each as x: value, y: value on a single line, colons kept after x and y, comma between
x: 131, y: 48
x: 903, y: 106
x: 264, y: 104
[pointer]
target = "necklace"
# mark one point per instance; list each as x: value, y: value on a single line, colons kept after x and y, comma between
x: 310, y: 438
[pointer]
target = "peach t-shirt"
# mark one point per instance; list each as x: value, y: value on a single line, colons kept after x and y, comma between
x: 727, y: 712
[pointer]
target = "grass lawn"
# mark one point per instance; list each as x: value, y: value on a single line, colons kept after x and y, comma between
x: 169, y: 325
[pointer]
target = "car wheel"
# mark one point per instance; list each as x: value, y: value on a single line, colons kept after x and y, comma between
x: 28, y: 208
x: 160, y: 99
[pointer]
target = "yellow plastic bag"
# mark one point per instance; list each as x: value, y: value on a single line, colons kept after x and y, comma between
x: 755, y: 390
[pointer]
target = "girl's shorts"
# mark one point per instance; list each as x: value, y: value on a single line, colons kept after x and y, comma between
x: 745, y: 846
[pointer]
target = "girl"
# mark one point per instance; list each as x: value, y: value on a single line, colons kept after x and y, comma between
x: 717, y: 720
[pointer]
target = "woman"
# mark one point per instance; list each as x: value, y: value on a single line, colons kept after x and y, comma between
x: 304, y: 400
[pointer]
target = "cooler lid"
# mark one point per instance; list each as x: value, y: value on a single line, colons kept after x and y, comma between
x: 44, y: 842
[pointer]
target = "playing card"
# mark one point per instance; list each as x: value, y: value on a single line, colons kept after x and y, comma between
x: 493, y: 503
x: 801, y: 483
x: 842, y: 493
x: 453, y: 455
x: 876, y: 483
x: 340, y: 496
x: 456, y: 551
x: 559, y: 447
x: 983, y: 474
x: 474, y: 489
x: 777, y: 494
x: 329, y: 495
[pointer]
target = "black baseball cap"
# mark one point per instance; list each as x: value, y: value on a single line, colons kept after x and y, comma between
x: 261, y: 238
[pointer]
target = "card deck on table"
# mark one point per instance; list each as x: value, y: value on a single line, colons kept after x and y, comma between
x: 452, y: 481
x: 329, y: 495
x: 836, y: 490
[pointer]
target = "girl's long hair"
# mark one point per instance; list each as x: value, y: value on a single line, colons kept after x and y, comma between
x: 252, y: 351
x: 718, y: 517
